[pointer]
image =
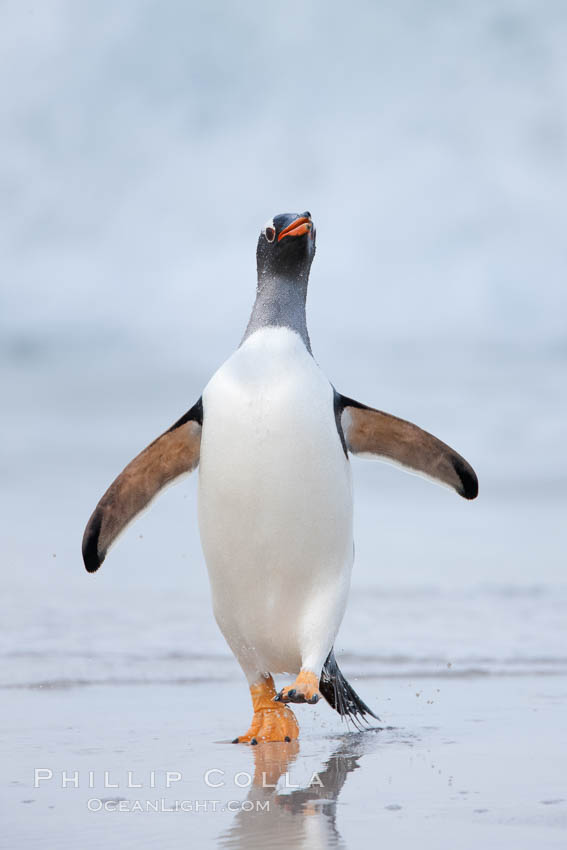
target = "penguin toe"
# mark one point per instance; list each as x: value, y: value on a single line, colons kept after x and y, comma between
x: 304, y: 689
x: 289, y: 695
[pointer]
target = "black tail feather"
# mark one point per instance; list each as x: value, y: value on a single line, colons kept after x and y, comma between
x: 339, y: 694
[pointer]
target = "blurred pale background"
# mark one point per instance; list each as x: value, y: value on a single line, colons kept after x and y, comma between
x: 144, y: 144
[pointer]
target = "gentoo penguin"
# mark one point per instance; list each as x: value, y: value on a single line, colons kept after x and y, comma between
x: 272, y: 438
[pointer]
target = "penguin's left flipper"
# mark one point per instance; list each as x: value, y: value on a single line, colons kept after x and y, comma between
x: 170, y: 456
x: 371, y: 433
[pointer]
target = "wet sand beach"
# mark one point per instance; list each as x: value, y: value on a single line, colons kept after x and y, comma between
x: 460, y: 762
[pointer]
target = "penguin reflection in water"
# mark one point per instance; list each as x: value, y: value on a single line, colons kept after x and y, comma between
x: 306, y: 816
x: 272, y: 437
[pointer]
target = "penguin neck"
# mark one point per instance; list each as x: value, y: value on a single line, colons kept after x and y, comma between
x: 280, y: 302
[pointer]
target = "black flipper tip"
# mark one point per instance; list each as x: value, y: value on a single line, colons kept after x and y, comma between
x: 91, y: 556
x: 467, y: 475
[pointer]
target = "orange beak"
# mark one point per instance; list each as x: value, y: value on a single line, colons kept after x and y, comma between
x: 296, y: 228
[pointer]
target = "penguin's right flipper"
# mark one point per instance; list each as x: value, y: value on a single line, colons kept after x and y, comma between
x: 170, y: 456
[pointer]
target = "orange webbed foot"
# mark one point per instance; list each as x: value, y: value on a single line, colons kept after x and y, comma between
x: 304, y: 689
x: 270, y: 722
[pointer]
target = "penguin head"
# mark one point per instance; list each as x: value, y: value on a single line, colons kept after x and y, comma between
x: 286, y: 246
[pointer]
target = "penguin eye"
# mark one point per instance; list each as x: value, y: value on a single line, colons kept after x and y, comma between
x: 270, y: 233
